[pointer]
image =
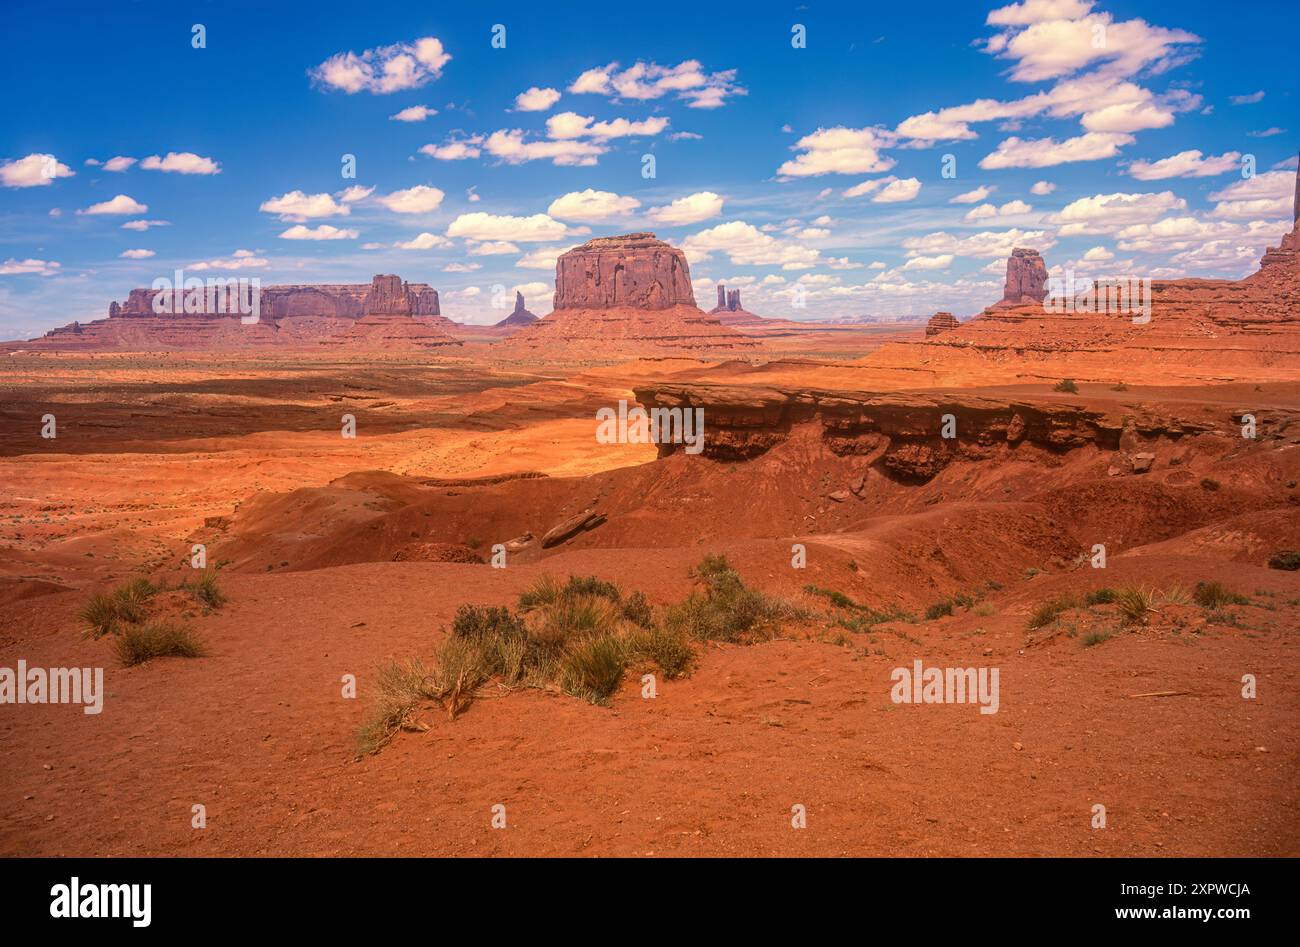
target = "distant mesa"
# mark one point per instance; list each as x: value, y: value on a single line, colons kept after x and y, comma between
x: 520, y: 317
x: 386, y: 312
x: 635, y: 270
x: 731, y: 311
x: 1026, y: 278
x: 941, y: 322
x: 626, y: 296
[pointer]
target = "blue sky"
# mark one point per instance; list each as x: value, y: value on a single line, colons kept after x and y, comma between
x: 1111, y: 136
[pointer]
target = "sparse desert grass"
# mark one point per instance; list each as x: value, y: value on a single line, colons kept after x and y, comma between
x: 670, y: 650
x: 938, y: 610
x: 206, y: 591
x: 400, y: 686
x: 593, y: 669
x: 985, y: 610
x: 1096, y: 637
x: 726, y: 609
x: 112, y: 612
x: 136, y: 644
x: 1133, y: 604
x: 1214, y: 595
x: 1103, y: 596
x: 1047, y: 612
x: 1066, y: 384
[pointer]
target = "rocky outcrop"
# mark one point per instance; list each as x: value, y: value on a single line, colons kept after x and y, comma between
x: 567, y: 529
x: 389, y: 321
x: 520, y: 317
x: 635, y: 270
x: 728, y: 301
x: 1026, y: 278
x: 941, y: 322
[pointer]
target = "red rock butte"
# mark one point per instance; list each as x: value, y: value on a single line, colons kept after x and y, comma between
x: 626, y: 296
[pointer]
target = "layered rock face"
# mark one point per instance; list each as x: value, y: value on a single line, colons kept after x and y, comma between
x: 520, y: 317
x: 389, y: 321
x: 941, y: 322
x: 288, y: 315
x: 635, y: 270
x: 623, y: 297
x: 1026, y: 278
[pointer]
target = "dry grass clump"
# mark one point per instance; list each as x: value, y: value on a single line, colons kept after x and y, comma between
x: 1214, y: 595
x: 1047, y: 612
x: 136, y: 644
x: 1134, y: 604
x: 725, y: 609
x: 112, y: 612
x: 206, y: 592
x: 400, y: 687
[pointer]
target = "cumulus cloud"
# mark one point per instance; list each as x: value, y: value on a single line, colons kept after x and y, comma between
x: 462, y: 267
x: 298, y: 206
x: 136, y: 254
x: 973, y: 197
x: 118, y: 163
x: 591, y: 206
x: 487, y: 227
x: 455, y: 149
x: 383, y: 69
x: 183, y: 162
x: 1185, y: 164
x: 644, y: 81
x: 746, y: 245
x: 541, y: 258
x: 35, y: 170
x: 839, y: 150
x: 1048, y: 152
x: 1042, y: 188
x: 941, y: 262
x: 890, y: 190
x: 991, y: 211
x: 424, y: 241
x: 493, y: 248
x: 536, y: 100
x: 413, y: 113
x: 121, y: 204
x: 12, y: 267
x: 239, y: 260
x: 420, y: 199
x: 144, y: 224
x: 1265, y: 195
x: 510, y: 146
x: 1250, y: 99
x: 572, y: 125
x: 1109, y: 213
x: 322, y: 232
x: 1098, y: 255
x: 702, y: 205
x: 981, y: 245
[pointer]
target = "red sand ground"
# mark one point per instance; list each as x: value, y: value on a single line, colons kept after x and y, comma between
x: 257, y: 731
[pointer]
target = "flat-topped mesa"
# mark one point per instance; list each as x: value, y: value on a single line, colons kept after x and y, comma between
x: 634, y: 270
x: 1026, y: 278
x: 520, y: 317
x: 940, y: 322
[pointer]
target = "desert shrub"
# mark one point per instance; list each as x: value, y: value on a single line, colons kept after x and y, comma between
x: 726, y: 609
x: 637, y: 610
x: 1287, y: 559
x: 1047, y: 612
x: 592, y: 669
x: 112, y: 612
x: 1100, y: 596
x: 1214, y: 595
x: 1066, y: 384
x: 984, y: 610
x: 838, y: 599
x: 1208, y: 484
x: 477, y: 622
x: 542, y: 592
x: 938, y: 610
x: 206, y: 592
x: 1175, y: 595
x: 136, y: 644
x: 1133, y: 604
x: 400, y: 687
x: 1095, y: 638
x: 590, y: 585
x: 462, y: 667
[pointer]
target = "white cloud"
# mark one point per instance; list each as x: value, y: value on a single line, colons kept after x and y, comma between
x: 462, y: 267
x: 1250, y: 99
x: 297, y: 206
x: 542, y: 258
x: 136, y: 254
x: 383, y: 69
x: 486, y: 227
x: 1048, y: 152
x: 239, y: 260
x: 929, y: 262
x: 1051, y: 48
x: 1098, y: 255
x: 424, y: 241
x: 121, y: 204
x: 413, y: 113
x: 12, y: 267
x: 702, y: 205
x: 1185, y: 164
x: 536, y: 100
x: 981, y: 245
x: 895, y: 192
x: 1042, y: 188
x: 118, y: 164
x: 1037, y: 11
x: 592, y: 206
x: 643, y: 81
x: 493, y: 248
x: 746, y: 245
x: 322, y: 232
x: 510, y: 147
x: 413, y: 200
x: 1109, y: 213
x: 572, y: 125
x: 973, y: 197
x: 990, y: 211
x: 840, y: 150
x: 455, y: 150
x: 35, y: 170
x: 144, y: 224
x: 355, y: 193
x: 184, y: 162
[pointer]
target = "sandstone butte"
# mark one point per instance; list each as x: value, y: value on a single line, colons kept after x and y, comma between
x: 626, y: 295
x: 386, y: 313
x: 520, y: 317
x: 732, y: 312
